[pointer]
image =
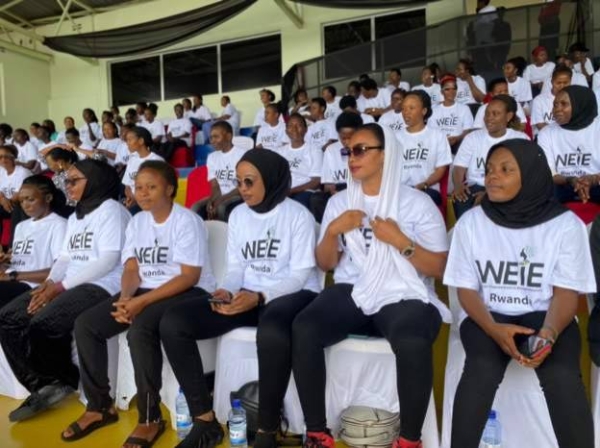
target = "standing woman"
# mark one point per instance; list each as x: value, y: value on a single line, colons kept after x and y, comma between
x: 386, y: 243
x: 520, y: 224
x: 87, y: 272
x: 165, y: 261
x: 426, y: 152
x: 261, y: 288
x: 91, y: 132
x: 572, y: 147
x: 453, y: 119
x: 469, y: 164
x: 37, y: 241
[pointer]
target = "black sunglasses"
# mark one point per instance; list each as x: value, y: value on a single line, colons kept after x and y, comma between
x: 358, y: 150
x: 247, y: 182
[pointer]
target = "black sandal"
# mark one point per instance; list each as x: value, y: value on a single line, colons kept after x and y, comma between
x: 144, y: 443
x: 78, y: 433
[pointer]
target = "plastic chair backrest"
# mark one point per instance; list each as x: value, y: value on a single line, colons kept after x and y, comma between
x: 198, y: 186
x: 217, y: 248
x: 243, y: 142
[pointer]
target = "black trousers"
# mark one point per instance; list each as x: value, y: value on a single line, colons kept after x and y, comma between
x: 9, y: 290
x: 559, y: 375
x: 410, y: 326
x: 94, y: 327
x: 461, y: 207
x: 38, y: 346
x: 193, y: 320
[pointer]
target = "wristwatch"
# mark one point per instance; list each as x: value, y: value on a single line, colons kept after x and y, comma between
x: 261, y: 299
x: 409, y: 250
x: 13, y: 275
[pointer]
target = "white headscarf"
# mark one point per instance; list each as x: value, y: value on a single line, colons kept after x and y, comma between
x: 373, y: 289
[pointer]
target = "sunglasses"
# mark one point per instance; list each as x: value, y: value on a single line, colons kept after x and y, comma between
x: 358, y: 150
x: 246, y: 182
x: 73, y: 180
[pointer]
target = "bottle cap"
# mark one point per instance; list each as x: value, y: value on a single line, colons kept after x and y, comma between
x: 236, y: 403
x: 493, y: 414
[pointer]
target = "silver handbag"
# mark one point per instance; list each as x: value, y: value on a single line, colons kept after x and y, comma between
x: 365, y: 427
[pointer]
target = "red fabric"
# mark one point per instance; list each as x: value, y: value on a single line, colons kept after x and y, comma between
x: 528, y: 128
x: 198, y: 186
x: 444, y: 193
x: 586, y: 212
x: 5, y: 238
x: 182, y: 158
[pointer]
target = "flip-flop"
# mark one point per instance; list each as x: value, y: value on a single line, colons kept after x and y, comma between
x: 78, y: 433
x: 143, y: 443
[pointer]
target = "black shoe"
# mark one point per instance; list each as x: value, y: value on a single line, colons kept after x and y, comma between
x: 40, y: 400
x: 265, y: 440
x: 203, y: 435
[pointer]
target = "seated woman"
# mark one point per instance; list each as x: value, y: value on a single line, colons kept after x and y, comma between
x: 165, y: 262
x: 470, y: 86
x: 518, y: 88
x: 87, y: 272
x: 426, y: 151
x: 393, y: 118
x: 11, y: 180
x: 108, y: 147
x: 305, y: 161
x: 469, y: 163
x: 430, y: 85
x: 37, y: 241
x: 270, y: 277
x: 69, y: 123
x: 271, y: 134
x: 91, y: 132
x: 453, y: 119
x: 572, y: 147
x: 386, y: 243
x: 543, y: 104
x: 544, y: 251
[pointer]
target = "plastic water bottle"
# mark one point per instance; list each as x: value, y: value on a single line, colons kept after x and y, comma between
x: 492, y: 433
x: 184, y: 420
x: 237, y: 426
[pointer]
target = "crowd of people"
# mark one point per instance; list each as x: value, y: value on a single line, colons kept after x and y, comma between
x: 100, y: 247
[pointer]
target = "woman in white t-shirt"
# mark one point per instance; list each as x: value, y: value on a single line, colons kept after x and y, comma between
x: 271, y: 134
x: 87, y: 272
x: 270, y: 277
x: 520, y: 262
x: 165, y: 261
x: 37, y: 241
x: 386, y: 243
x: 430, y: 85
x: 426, y: 152
x: 393, y: 118
x: 91, y: 132
x: 27, y: 151
x: 469, y: 164
x: 11, y: 178
x: 453, y: 119
x: 571, y: 146
x: 538, y: 71
x: 470, y: 86
x: 518, y: 88
x: 543, y: 104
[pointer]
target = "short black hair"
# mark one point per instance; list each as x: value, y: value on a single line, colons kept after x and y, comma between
x: 562, y: 69
x: 270, y: 94
x: 348, y: 120
x: 468, y: 65
x: 348, y: 101
x: 72, y: 131
x: 494, y: 82
x: 332, y: 90
x: 368, y: 84
x: 297, y: 116
x: 12, y: 149
x: 23, y: 132
x: 144, y: 134
x: 166, y: 171
x: 425, y: 100
x: 320, y: 101
x: 397, y: 71
x: 224, y: 125
x: 273, y: 106
x: 59, y: 154
x: 46, y: 186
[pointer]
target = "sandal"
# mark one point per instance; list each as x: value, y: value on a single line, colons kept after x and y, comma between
x: 78, y: 433
x: 144, y: 443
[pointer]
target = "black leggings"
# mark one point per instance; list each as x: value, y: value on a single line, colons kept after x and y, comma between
x: 182, y: 325
x: 9, y: 290
x: 559, y: 375
x: 94, y: 327
x: 410, y: 326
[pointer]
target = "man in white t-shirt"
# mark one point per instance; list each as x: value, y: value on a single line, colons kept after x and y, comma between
x: 348, y: 104
x: 375, y: 101
x: 200, y: 113
x: 271, y: 134
x: 321, y: 133
x: 221, y: 163
x: 155, y: 127
x: 180, y: 128
x: 543, y: 104
x: 395, y: 81
x: 228, y: 114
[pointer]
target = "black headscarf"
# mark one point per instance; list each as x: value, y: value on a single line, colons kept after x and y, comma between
x: 584, y: 107
x: 102, y: 183
x: 534, y: 203
x: 275, y: 172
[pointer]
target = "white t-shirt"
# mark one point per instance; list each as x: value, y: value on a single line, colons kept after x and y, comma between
x: 305, y: 162
x: 463, y: 91
x: 234, y: 115
x: 367, y: 118
x: 474, y: 149
x: 202, y: 113
x: 84, y: 133
x: 221, y: 167
x: 335, y: 166
x: 27, y: 152
x: 434, y: 91
x: 401, y: 85
x: 394, y: 121
x: 272, y: 137
x: 156, y: 129
x: 534, y: 74
x: 179, y: 127
x: 10, y: 184
x: 123, y: 154
x: 418, y: 218
x: 596, y: 81
x: 588, y: 67
x: 479, y: 123
x: 422, y: 153
x: 541, y: 110
x: 112, y: 145
x: 333, y: 109
x: 320, y: 132
x: 259, y: 118
x: 161, y: 249
x: 576, y: 80
x: 37, y: 244
x: 40, y: 158
x: 263, y: 248
x: 520, y: 90
x: 102, y: 230
x: 133, y: 165
x: 572, y: 153
x: 381, y: 101
x: 514, y: 270
x: 451, y: 120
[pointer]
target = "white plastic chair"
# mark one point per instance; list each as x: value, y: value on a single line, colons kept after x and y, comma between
x: 243, y: 142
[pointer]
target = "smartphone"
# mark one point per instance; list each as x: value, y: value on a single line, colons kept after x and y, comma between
x: 535, y: 346
x: 216, y: 300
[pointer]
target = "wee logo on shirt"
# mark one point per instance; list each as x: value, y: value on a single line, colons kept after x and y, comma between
x: 262, y: 250
x: 573, y: 160
x: 226, y: 174
x: 81, y: 242
x: 152, y: 256
x: 548, y: 117
x: 23, y: 247
x: 367, y: 233
x: 339, y: 176
x: 447, y: 122
x: 295, y: 162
